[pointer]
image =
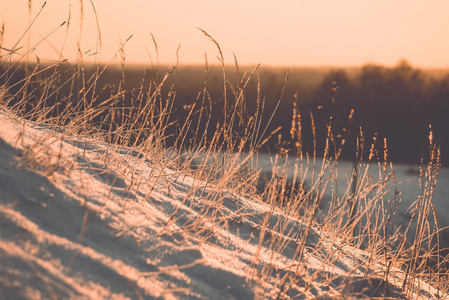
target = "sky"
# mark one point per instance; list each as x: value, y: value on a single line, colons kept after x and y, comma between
x: 286, y: 33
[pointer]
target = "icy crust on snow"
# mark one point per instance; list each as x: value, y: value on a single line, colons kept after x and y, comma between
x: 83, y: 219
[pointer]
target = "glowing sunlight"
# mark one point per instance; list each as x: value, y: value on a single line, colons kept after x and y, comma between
x: 290, y: 33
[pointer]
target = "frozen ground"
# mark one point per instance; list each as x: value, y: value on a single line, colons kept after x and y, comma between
x: 408, y: 186
x: 82, y: 219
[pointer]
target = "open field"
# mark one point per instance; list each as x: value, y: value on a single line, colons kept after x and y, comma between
x: 160, y: 187
x: 86, y: 219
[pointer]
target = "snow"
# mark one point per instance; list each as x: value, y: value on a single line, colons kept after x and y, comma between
x: 407, y: 179
x: 83, y: 219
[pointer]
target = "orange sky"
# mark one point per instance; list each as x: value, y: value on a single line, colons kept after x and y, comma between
x: 288, y: 33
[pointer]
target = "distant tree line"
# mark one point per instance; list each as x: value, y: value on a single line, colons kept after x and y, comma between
x: 397, y: 104
x: 393, y: 105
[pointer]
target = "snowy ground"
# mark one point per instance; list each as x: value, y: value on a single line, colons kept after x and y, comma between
x: 407, y: 180
x: 81, y: 219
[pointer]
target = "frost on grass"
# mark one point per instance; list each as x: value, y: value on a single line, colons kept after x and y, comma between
x: 84, y: 219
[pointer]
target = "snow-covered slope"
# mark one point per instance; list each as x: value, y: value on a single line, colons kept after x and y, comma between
x: 408, y: 186
x: 83, y: 219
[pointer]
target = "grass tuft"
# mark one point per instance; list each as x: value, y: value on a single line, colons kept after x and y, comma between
x: 223, y: 161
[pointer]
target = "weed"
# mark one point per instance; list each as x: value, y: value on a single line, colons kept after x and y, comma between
x: 222, y: 161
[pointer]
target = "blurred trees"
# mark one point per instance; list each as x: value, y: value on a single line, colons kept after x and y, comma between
x: 396, y: 103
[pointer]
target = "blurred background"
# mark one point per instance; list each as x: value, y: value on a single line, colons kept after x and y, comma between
x: 377, y: 68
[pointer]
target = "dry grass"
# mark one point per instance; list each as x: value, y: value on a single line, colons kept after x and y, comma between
x: 225, y: 168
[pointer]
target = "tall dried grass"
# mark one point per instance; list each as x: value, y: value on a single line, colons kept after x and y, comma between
x: 226, y: 165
